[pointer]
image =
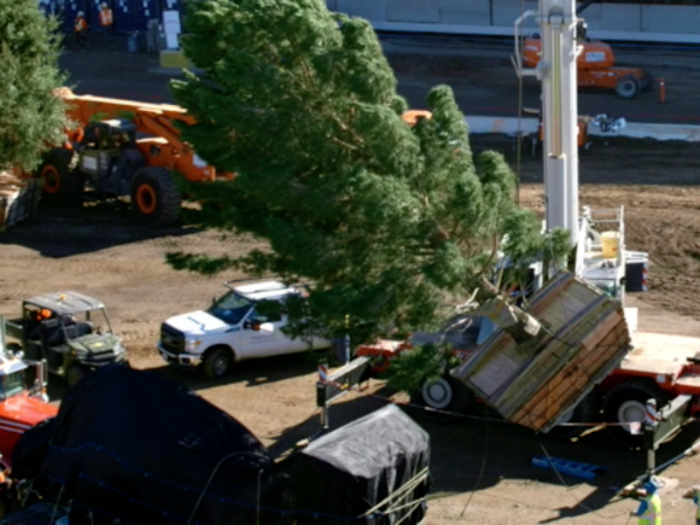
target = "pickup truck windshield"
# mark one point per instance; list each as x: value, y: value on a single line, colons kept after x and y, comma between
x: 231, y: 308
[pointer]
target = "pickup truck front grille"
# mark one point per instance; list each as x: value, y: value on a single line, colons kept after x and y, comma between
x: 172, y: 340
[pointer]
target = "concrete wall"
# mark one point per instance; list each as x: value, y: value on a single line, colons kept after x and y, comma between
x: 476, y: 12
x: 670, y: 19
x: 607, y: 21
x: 421, y: 11
x: 373, y: 10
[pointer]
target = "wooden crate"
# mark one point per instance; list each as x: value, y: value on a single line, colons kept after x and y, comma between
x: 533, y: 384
x: 19, y: 198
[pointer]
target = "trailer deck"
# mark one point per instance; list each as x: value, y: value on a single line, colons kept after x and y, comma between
x: 664, y: 357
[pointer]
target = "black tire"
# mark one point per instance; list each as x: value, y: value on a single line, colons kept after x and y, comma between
x: 155, y: 197
x: 75, y: 373
x: 217, y: 362
x: 627, y: 87
x: 447, y: 397
x: 62, y: 185
x: 625, y: 402
x: 587, y: 411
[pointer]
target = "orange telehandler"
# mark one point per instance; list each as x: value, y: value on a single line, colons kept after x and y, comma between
x: 123, y: 148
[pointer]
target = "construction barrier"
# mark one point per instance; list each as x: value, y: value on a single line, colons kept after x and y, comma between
x: 636, y: 130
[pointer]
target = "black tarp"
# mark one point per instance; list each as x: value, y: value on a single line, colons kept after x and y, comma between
x: 140, y: 447
x: 352, y: 469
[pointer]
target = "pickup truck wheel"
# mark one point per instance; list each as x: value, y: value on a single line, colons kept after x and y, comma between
x: 446, y: 395
x: 217, y: 362
x: 75, y: 373
x: 626, y: 403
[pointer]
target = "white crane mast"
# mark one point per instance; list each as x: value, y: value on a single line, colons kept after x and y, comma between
x: 557, y: 72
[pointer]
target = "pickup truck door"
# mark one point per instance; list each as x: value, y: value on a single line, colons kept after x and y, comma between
x: 260, y: 343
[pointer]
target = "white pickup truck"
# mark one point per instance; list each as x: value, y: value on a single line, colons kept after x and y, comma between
x: 232, y: 330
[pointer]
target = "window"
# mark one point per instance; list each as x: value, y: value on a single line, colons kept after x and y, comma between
x: 231, y: 308
x: 272, y: 314
x: 12, y: 385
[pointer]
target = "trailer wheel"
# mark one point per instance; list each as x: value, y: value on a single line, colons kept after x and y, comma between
x: 627, y: 87
x: 626, y: 403
x: 62, y: 185
x: 446, y: 395
x: 587, y: 411
x: 217, y: 362
x: 155, y: 197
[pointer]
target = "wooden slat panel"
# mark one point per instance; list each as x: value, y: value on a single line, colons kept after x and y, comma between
x: 556, y: 355
x: 499, y: 367
x: 558, y: 393
x: 532, y: 385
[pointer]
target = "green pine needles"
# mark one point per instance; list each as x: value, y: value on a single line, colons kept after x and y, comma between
x: 384, y: 220
x: 31, y: 117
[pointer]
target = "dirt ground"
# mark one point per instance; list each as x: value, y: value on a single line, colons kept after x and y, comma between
x: 481, y: 470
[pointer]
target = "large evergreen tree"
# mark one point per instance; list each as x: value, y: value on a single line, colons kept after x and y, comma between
x: 31, y: 116
x: 386, y: 221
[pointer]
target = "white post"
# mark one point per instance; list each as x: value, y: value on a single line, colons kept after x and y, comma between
x: 557, y: 19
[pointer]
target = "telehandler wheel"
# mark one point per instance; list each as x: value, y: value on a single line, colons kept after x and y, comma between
x: 155, y: 197
x: 75, y: 373
x: 625, y: 404
x: 217, y: 362
x: 62, y: 185
x: 627, y: 87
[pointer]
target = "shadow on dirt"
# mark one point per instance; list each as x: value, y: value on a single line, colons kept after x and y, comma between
x: 491, y: 451
x: 635, y: 161
x: 58, y: 233
x: 253, y: 373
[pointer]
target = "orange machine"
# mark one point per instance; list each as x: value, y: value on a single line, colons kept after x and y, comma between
x: 596, y: 68
x: 120, y: 148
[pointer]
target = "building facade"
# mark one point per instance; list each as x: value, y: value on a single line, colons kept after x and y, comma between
x: 674, y: 21
x: 671, y: 21
x: 129, y: 15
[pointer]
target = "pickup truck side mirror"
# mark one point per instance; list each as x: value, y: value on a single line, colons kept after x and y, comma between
x: 267, y: 328
x: 251, y: 325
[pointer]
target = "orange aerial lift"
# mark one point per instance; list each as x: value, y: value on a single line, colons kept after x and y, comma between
x: 596, y: 67
x: 123, y: 148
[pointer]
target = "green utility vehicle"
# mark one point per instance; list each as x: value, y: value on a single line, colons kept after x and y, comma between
x: 71, y: 331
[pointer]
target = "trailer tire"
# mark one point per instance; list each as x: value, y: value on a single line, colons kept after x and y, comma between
x: 62, y: 185
x: 218, y: 362
x: 587, y: 411
x: 625, y: 404
x: 627, y: 87
x: 155, y: 197
x: 447, y: 397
